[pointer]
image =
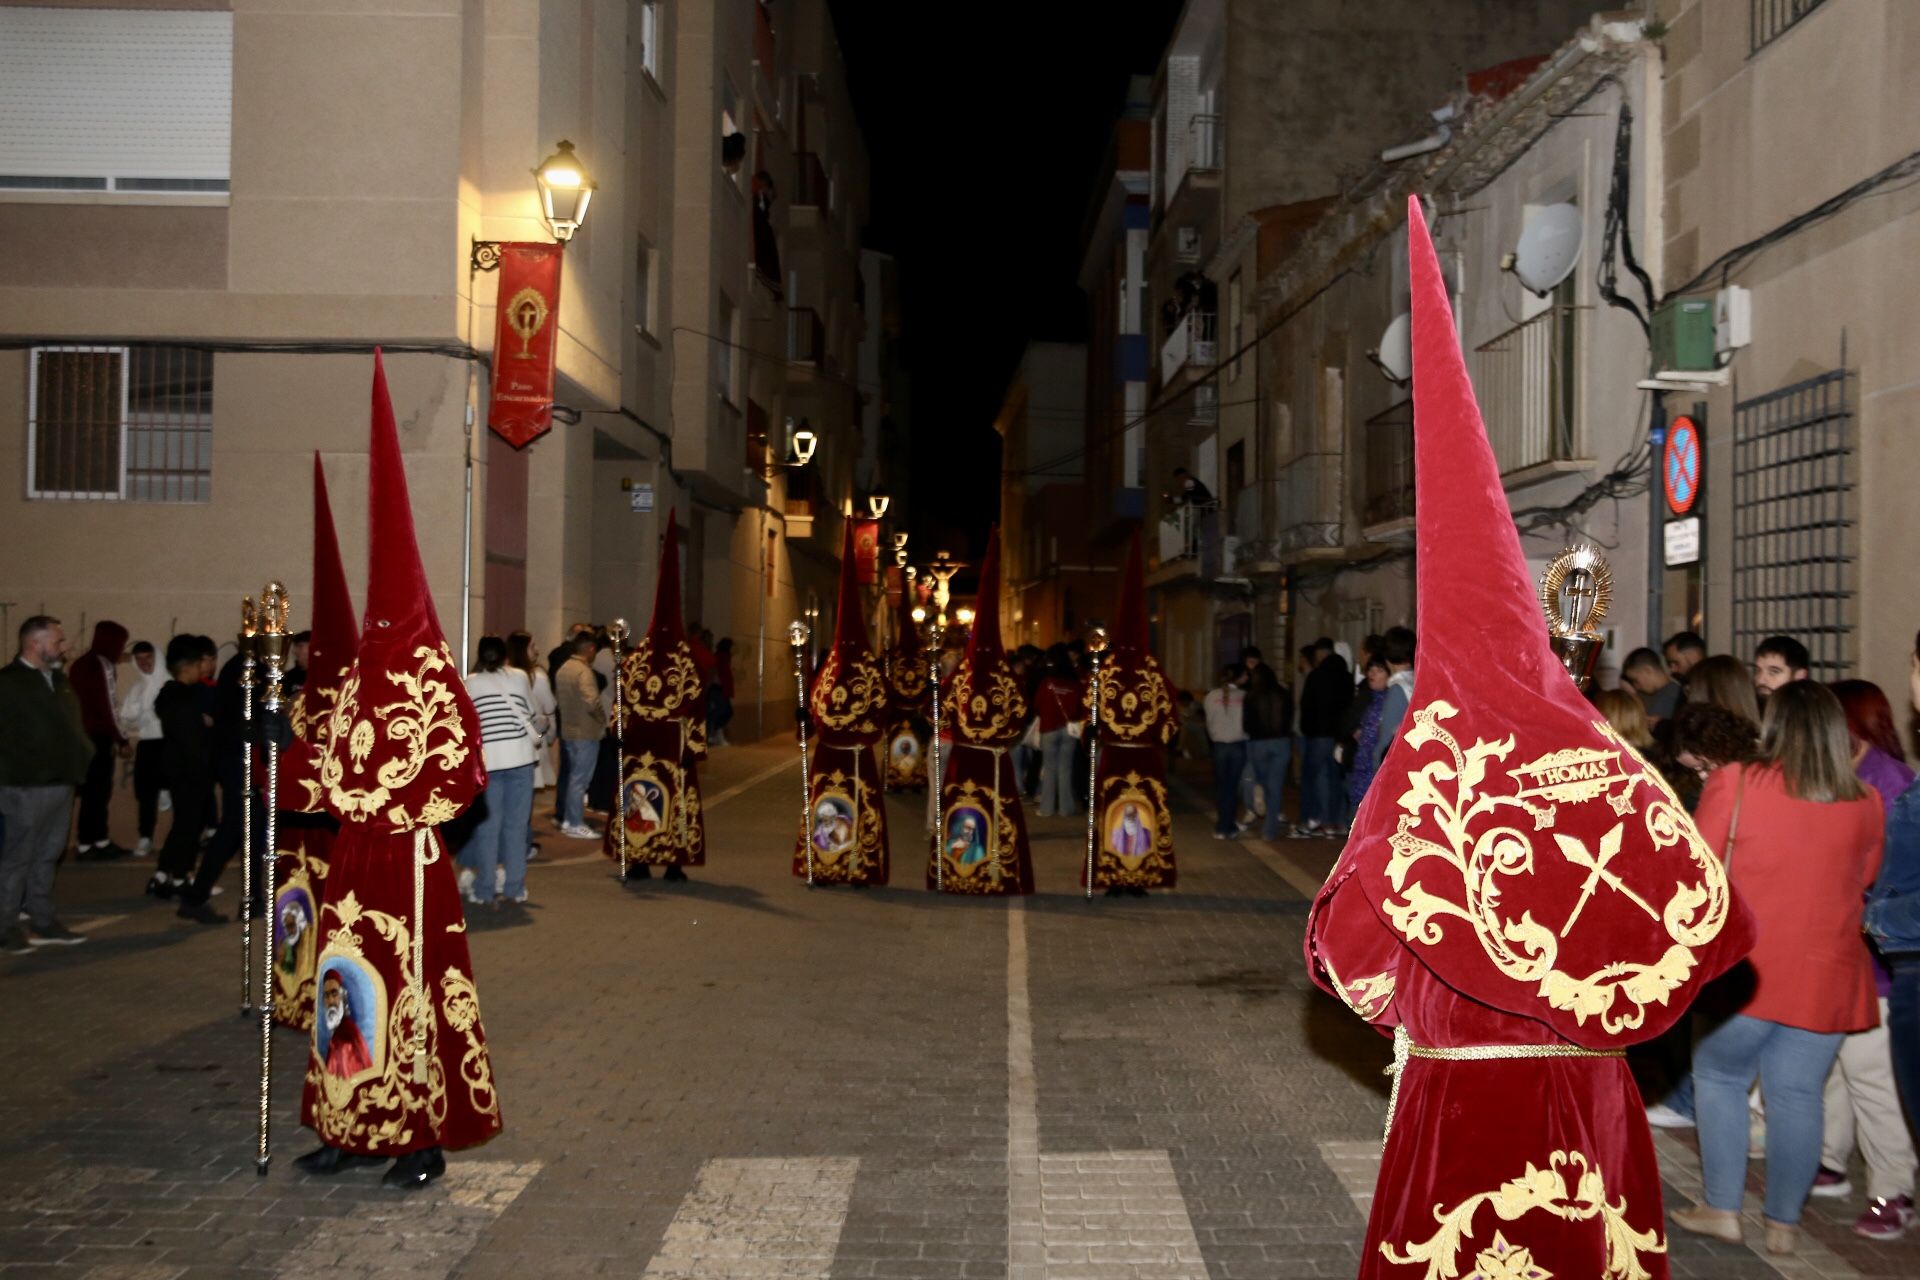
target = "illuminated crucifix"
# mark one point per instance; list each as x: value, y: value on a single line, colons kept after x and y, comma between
x: 943, y: 567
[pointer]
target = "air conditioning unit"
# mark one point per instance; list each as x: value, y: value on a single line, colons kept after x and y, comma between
x: 1683, y: 336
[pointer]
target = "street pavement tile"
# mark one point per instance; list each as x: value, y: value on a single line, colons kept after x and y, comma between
x: 740, y: 1077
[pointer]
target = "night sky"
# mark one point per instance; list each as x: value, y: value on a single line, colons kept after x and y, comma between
x: 985, y: 126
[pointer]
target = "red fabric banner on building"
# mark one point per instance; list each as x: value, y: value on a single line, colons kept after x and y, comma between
x: 866, y: 550
x: 523, y: 342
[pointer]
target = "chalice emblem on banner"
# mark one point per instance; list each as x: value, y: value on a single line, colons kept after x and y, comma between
x: 525, y: 314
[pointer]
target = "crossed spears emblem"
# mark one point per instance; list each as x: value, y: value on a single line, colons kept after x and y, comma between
x: 1576, y: 852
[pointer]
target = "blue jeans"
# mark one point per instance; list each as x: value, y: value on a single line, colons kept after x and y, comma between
x: 582, y: 754
x: 1319, y: 782
x: 500, y: 838
x: 1056, y: 774
x: 1792, y: 1065
x: 1229, y: 759
x: 1268, y: 758
x: 1903, y: 1031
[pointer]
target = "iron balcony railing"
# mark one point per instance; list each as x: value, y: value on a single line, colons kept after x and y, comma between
x: 1192, y: 342
x: 1305, y: 504
x: 1768, y: 20
x: 1525, y: 382
x: 1387, y: 448
x: 1206, y: 144
x: 806, y: 336
x: 1189, y: 531
x: 1205, y: 407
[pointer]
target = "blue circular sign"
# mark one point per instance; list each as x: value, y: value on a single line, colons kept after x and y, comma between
x: 1680, y: 469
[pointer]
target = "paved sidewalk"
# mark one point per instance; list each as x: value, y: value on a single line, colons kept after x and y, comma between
x: 740, y: 1077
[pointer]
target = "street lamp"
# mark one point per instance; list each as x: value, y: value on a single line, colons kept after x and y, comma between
x: 804, y: 443
x: 565, y: 190
x: 877, y: 503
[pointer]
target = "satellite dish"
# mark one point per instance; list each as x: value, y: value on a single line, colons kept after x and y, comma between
x: 1549, y: 248
x: 1395, y: 353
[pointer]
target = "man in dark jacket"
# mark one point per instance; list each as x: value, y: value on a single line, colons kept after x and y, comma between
x: 1324, y: 696
x: 94, y: 676
x: 186, y: 765
x: 44, y: 753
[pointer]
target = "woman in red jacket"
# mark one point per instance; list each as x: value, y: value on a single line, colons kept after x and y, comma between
x: 1801, y: 837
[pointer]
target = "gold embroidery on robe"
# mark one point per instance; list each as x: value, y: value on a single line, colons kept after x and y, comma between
x: 427, y: 724
x: 1479, y: 857
x: 975, y: 862
x: 1569, y: 1188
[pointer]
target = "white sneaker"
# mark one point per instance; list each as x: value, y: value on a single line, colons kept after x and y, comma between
x: 166, y: 802
x: 466, y: 882
x: 499, y: 880
x: 582, y: 832
x: 1662, y: 1116
x: 144, y: 848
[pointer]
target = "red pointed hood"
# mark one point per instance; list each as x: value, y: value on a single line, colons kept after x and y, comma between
x: 989, y: 706
x: 849, y: 614
x: 1512, y: 841
x: 335, y: 636
x: 984, y: 646
x: 404, y: 750
x: 1130, y: 632
x: 667, y: 629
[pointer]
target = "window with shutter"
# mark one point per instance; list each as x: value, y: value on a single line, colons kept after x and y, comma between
x: 115, y: 99
x: 120, y: 424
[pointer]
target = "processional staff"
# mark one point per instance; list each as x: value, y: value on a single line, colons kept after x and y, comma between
x: 1096, y: 646
x: 935, y: 636
x: 617, y: 631
x: 797, y: 636
x: 249, y: 625
x: 272, y: 622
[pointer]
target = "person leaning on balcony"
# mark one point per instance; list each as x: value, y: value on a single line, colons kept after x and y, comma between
x: 1188, y: 491
x: 1801, y: 837
x: 1226, y: 728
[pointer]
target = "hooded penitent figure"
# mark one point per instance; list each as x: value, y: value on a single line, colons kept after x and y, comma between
x: 845, y: 837
x: 1521, y: 898
x: 664, y: 738
x: 906, y: 743
x: 399, y: 758
x: 306, y: 829
x: 1133, y: 828
x: 982, y: 839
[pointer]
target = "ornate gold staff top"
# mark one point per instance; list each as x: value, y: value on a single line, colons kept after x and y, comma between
x: 1575, y: 591
x: 617, y: 631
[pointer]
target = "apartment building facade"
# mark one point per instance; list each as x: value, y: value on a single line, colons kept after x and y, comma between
x: 1260, y: 113
x: 1807, y: 525
x: 1051, y: 582
x: 189, y: 316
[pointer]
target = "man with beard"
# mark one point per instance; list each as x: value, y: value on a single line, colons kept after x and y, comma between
x: 347, y: 1054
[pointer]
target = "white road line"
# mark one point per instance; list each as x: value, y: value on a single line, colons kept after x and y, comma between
x: 426, y: 1235
x: 97, y: 922
x: 1284, y: 866
x: 707, y: 805
x: 1118, y: 1215
x: 1026, y: 1240
x: 1356, y: 1163
x: 1811, y: 1260
x: 759, y: 1218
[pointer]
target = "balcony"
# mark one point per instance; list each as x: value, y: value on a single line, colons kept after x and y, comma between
x: 810, y: 187
x: 806, y: 337
x: 1206, y: 145
x: 1204, y: 410
x: 1306, y: 507
x: 1387, y: 447
x: 1526, y: 383
x: 1193, y: 342
x: 1188, y: 534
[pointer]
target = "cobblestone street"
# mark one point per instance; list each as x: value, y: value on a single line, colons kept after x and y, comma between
x: 736, y: 1077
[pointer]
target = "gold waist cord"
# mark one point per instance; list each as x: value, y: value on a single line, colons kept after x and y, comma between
x: 1404, y: 1048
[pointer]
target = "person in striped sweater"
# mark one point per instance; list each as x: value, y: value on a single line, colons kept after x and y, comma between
x: 495, y: 858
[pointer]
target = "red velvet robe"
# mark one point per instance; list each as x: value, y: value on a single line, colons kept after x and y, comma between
x: 982, y: 843
x: 664, y: 739
x: 905, y: 743
x: 846, y: 828
x: 1133, y: 829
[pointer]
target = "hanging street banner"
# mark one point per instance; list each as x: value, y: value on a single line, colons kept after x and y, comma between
x: 866, y: 550
x: 524, y: 342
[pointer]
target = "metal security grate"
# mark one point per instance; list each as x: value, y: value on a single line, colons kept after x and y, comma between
x: 1793, y: 552
x: 119, y: 423
x: 1768, y: 20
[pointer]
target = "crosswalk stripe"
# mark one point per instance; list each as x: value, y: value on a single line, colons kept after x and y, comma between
x: 432, y: 1232
x: 758, y: 1217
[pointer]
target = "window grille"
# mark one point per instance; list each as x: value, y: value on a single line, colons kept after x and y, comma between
x: 118, y: 423
x: 1768, y: 20
x: 1793, y: 521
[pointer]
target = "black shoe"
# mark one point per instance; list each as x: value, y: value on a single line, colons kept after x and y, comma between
x: 1114, y: 891
x: 675, y: 875
x: 15, y: 942
x: 161, y: 887
x: 415, y: 1169
x: 200, y: 913
x: 639, y: 871
x: 328, y: 1161
x: 105, y: 851
x: 51, y: 933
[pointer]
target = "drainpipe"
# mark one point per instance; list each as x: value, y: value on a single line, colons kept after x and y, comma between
x: 1432, y: 142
